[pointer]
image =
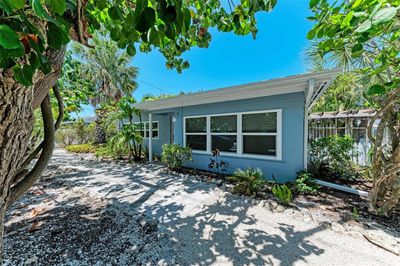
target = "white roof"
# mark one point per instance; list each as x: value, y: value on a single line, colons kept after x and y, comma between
x: 290, y: 84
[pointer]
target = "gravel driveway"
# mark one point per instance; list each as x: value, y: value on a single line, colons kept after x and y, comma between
x: 211, y: 226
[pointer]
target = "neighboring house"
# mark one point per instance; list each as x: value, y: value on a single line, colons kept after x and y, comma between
x: 353, y: 123
x: 86, y: 120
x: 262, y: 125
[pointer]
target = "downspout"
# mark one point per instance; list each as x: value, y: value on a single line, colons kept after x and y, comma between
x: 308, y: 94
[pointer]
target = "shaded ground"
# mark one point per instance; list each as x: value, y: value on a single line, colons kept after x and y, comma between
x: 199, y: 223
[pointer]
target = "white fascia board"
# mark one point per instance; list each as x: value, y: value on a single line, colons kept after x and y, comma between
x: 286, y: 85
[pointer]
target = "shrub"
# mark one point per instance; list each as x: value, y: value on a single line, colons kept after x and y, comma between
x: 247, y: 182
x: 81, y: 148
x: 175, y: 155
x: 75, y: 133
x: 65, y: 137
x: 109, y: 151
x: 305, y: 183
x: 332, y: 157
x: 283, y: 193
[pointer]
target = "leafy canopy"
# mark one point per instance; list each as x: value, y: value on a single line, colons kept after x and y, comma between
x: 367, y: 33
x: 171, y: 26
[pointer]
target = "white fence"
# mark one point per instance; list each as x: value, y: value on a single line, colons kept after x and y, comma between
x: 353, y: 127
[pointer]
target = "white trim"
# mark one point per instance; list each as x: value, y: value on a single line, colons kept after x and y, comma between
x: 309, y: 94
x: 150, y: 138
x: 146, y: 124
x: 291, y: 84
x: 239, y: 134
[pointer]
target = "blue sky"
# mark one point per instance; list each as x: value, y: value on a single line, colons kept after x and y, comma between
x: 231, y: 59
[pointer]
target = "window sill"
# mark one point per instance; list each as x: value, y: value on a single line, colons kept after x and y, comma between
x: 244, y: 156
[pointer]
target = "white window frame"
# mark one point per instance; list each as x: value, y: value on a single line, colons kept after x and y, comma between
x: 208, y: 147
x: 146, y: 129
x: 239, y: 134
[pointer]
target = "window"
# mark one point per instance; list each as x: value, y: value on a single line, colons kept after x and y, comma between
x: 196, y: 133
x: 145, y: 131
x: 260, y: 132
x: 224, y: 133
x: 255, y: 134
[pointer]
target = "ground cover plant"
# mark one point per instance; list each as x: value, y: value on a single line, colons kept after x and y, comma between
x: 81, y: 148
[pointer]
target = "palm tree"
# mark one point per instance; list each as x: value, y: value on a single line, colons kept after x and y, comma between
x: 346, y: 92
x: 108, y: 68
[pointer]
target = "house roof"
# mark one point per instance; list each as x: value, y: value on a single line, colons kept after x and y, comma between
x: 290, y: 84
x: 343, y: 114
x: 86, y: 120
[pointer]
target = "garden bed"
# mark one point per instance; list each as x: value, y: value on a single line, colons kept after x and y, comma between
x: 338, y: 206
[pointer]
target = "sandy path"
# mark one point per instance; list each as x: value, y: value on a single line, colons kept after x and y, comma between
x: 211, y: 226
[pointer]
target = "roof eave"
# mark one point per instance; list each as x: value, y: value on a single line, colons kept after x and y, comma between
x: 286, y: 85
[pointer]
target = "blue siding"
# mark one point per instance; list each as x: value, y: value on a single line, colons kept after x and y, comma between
x: 292, y: 106
x: 163, y: 134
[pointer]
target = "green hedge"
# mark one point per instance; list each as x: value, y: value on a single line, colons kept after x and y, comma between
x: 81, y: 148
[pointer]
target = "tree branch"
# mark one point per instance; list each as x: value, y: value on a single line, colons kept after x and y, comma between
x: 22, y: 172
x: 26, y: 183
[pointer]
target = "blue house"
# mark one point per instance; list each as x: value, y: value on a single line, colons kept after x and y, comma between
x: 261, y: 125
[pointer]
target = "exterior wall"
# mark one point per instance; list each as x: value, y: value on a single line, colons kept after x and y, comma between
x: 292, y: 106
x: 163, y: 133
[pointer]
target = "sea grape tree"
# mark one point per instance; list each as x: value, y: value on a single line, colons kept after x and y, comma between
x: 33, y: 39
x: 366, y: 33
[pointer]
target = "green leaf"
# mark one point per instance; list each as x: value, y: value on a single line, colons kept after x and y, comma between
x: 140, y: 6
x: 39, y: 10
x: 314, y: 3
x: 168, y: 15
x: 131, y: 50
x: 357, y: 3
x: 357, y: 50
x: 346, y: 21
x: 376, y: 89
x: 311, y: 34
x: 16, y: 4
x: 384, y: 15
x: 57, y: 6
x: 56, y: 36
x: 366, y: 25
x: 9, y: 38
x: 146, y: 20
x: 115, y: 13
x: 23, y: 75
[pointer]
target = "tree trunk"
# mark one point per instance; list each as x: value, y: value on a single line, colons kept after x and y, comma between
x: 385, y: 193
x: 16, y: 124
x: 17, y: 103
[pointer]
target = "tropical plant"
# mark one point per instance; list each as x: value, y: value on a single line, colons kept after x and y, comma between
x: 107, y: 68
x: 283, y: 193
x: 129, y: 135
x: 33, y: 51
x: 175, y: 155
x: 75, y: 90
x: 365, y: 35
x: 305, y: 183
x: 332, y: 157
x: 247, y: 182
